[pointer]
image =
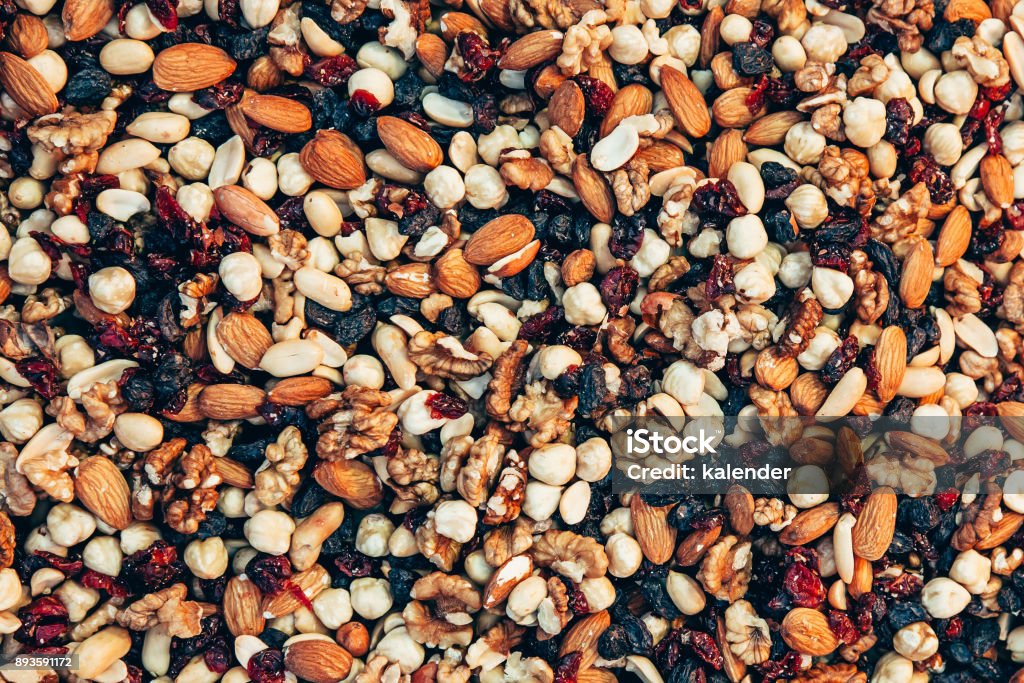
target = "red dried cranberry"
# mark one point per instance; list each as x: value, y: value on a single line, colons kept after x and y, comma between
x: 947, y: 499
x: 597, y: 95
x: 577, y: 600
x: 97, y: 581
x: 804, y: 586
x: 43, y: 622
x: 217, y: 660
x: 68, y: 565
x: 704, y: 646
x: 762, y: 33
x: 925, y: 170
x: 41, y: 373
x: 266, y: 666
x: 332, y: 71
x: 269, y: 573
x: 618, y: 288
x: 755, y: 98
x: 542, y: 326
x: 444, y: 406
x: 219, y: 96
x: 567, y: 668
x: 992, y: 121
x: 719, y: 280
x: 717, y: 200
x: 787, y: 667
x: 954, y: 628
x: 154, y: 568
x: 841, y: 360
x: 477, y: 55
x: 898, y: 117
x: 842, y: 626
x: 363, y: 103
x: 998, y: 93
x: 354, y: 564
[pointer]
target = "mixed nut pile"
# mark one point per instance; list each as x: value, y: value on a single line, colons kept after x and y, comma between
x: 319, y: 322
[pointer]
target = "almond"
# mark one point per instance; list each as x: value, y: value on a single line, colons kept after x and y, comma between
x: 547, y: 81
x: 709, y: 36
x: 890, y: 361
x: 26, y: 86
x: 191, y: 66
x: 513, y: 264
x: 686, y: 101
x: 726, y: 150
x: 1001, y: 531
x: 432, y: 53
x: 455, y: 276
x: 354, y: 637
x: 351, y: 480
x: 875, y: 525
x: 775, y: 369
x: 298, y: 391
x: 730, y: 109
x: 593, y: 190
x: 975, y: 10
x: 807, y: 631
x: 696, y: 543
x: 277, y: 113
x: 413, y: 147
x: 863, y: 577
x: 771, y: 129
x: 532, y: 50
x: 242, y: 612
x: 1011, y: 415
x: 919, y: 445
x: 916, y: 279
x: 311, y: 582
x: 567, y: 107
x: 505, y: 578
x: 810, y: 525
x: 954, y: 237
x: 334, y: 160
x: 85, y: 18
x: 230, y: 401
x: 584, y: 635
x: 243, y: 208
x: 454, y: 23
x: 740, y: 504
x: 234, y: 473
x: 726, y: 77
x: 601, y: 69
x: 103, y: 491
x: 498, y: 238
x: 411, y: 280
x: 499, y: 13
x: 318, y: 660
x: 661, y: 156
x: 632, y: 100
x: 190, y: 411
x: 244, y: 338
x: 657, y: 538
x: 27, y: 35
x: 997, y: 179
x: 578, y: 267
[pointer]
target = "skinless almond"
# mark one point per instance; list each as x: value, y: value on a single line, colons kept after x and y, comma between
x: 593, y: 190
x: 875, y: 525
x: 26, y: 86
x: 230, y: 401
x: 686, y: 102
x: 242, y: 613
x: 498, y: 238
x: 954, y: 237
x: 351, y: 480
x: 811, y: 524
x: 916, y: 279
x: 332, y: 159
x: 103, y: 491
x: 997, y: 179
x: 807, y: 631
x: 244, y: 338
x: 531, y: 50
x: 243, y: 208
x: 657, y: 538
x: 730, y: 109
x: 413, y: 147
x: 661, y: 156
x: 85, y: 18
x: 298, y: 391
x: 277, y: 113
x: 632, y: 100
x: 771, y: 129
x: 27, y: 35
x: 412, y: 280
x: 890, y: 361
x: 191, y: 66
x: 432, y: 53
x: 454, y: 23
x: 567, y: 107
x: 455, y: 276
x: 318, y: 660
x: 726, y: 150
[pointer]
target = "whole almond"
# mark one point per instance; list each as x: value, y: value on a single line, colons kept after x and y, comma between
x: 432, y: 53
x: 810, y: 525
x: 334, y: 160
x: 730, y: 109
x: 631, y: 100
x: 997, y: 179
x: 230, y: 401
x: 585, y: 634
x: 771, y: 129
x: 920, y: 446
x: 243, y: 208
x: 454, y: 23
x: 975, y: 10
x: 692, y: 548
x: 875, y: 525
x: 27, y: 35
x: 916, y: 278
x: 954, y: 236
x: 593, y: 190
x: 298, y: 391
x: 727, y: 149
x: 890, y: 361
x: 710, y: 36
x: 807, y: 631
x: 661, y: 156
x: 1001, y: 531
x: 242, y: 607
x: 505, y: 578
x: 411, y: 280
x: 863, y: 577
x: 499, y: 13
x: 740, y: 505
x: 578, y: 267
x: 455, y: 276
x: 531, y: 50
x: 1011, y: 414
x: 499, y: 238
x: 85, y: 18
x: 26, y: 86
x: 191, y: 66
x: 567, y: 107
x: 103, y: 491
x: 190, y: 411
x: 233, y: 473
x: 277, y: 113
x: 686, y: 102
x: 515, y: 263
x: 775, y: 369
x: 244, y: 338
x: 318, y: 660
x: 311, y: 582
x: 351, y: 480
x: 413, y: 147
x: 657, y: 538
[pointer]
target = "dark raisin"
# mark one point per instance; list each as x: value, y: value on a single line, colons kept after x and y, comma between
x: 749, y: 59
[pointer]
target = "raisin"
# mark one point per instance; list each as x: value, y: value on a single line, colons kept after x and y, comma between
x: 750, y: 59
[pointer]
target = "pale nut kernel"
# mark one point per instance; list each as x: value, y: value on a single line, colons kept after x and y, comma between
x: 138, y: 432
x: 112, y: 289
x: 624, y: 555
x: 241, y: 274
x: 456, y: 519
x: 864, y: 121
x: 270, y: 531
x: 370, y: 597
x: 553, y: 464
x: 207, y: 558
x: 373, y: 534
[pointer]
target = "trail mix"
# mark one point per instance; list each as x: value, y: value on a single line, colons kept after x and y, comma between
x: 318, y: 320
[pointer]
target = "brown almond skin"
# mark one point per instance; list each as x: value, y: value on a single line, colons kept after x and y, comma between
x: 27, y: 35
x: 657, y: 538
x: 807, y: 631
x: 593, y: 190
x: 191, y: 66
x: 413, y: 147
x: 631, y: 100
x: 890, y: 361
x: 102, y: 489
x: 686, y: 102
x: 810, y: 524
x: 85, y: 18
x: 531, y: 50
x: 351, y: 480
x: 567, y: 108
x: 954, y: 237
x: 318, y: 661
x: 455, y: 276
x: 498, y: 238
x: 26, y: 86
x: 242, y: 613
x: 876, y: 524
x: 278, y: 113
x: 230, y: 401
x: 298, y: 391
x: 244, y: 338
x: 334, y: 160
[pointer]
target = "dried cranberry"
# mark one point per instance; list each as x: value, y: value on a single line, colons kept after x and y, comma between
x: 43, y: 622
x: 754, y: 100
x: 762, y: 33
x: 354, y: 564
x: 627, y: 237
x: 804, y: 586
x: 542, y: 326
x: 266, y: 666
x: 597, y: 95
x: 947, y: 499
x: 719, y: 280
x: 992, y: 121
x: 363, y: 103
x: 332, y: 71
x: 787, y: 667
x: 41, y: 373
x: 842, y: 626
x: 269, y: 573
x: 618, y: 288
x: 154, y: 568
x: 577, y: 599
x: 717, y: 201
x: 925, y: 170
x: 477, y: 55
x: 567, y: 668
x: 219, y: 96
x: 97, y: 581
x: 70, y: 566
x: 898, y: 118
x: 840, y: 360
x: 446, y: 406
x: 217, y: 660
